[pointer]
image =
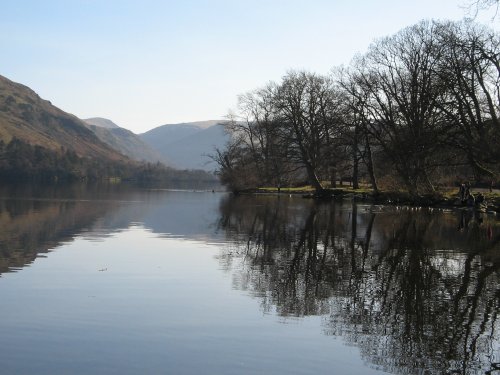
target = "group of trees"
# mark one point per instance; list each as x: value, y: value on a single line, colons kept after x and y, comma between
x: 21, y: 161
x: 419, y: 108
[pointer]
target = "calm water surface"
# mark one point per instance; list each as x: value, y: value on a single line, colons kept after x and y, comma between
x: 122, y: 281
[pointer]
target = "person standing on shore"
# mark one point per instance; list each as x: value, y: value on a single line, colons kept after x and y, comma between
x: 461, y: 193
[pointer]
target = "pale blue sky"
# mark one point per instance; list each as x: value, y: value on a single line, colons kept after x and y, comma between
x: 147, y: 63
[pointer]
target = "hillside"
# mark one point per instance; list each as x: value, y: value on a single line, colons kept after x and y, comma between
x: 101, y: 122
x: 187, y: 145
x: 24, y: 115
x: 123, y: 140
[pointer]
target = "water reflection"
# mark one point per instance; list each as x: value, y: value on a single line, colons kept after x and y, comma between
x: 32, y: 227
x: 418, y: 291
x: 35, y: 220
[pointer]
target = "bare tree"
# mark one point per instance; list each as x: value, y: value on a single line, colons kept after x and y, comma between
x: 473, y: 7
x: 402, y: 90
x: 259, y: 126
x: 306, y: 102
x: 357, y: 122
x: 235, y: 167
x: 470, y: 70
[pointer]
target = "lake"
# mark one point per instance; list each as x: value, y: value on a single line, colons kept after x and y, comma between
x: 120, y: 280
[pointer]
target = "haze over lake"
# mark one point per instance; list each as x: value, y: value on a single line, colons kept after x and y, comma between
x: 118, y: 280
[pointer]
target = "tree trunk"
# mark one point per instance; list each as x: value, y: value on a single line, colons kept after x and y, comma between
x: 313, y: 178
x: 355, y: 177
x: 369, y: 165
x: 428, y: 182
x: 477, y: 168
x: 355, y: 160
x: 333, y: 177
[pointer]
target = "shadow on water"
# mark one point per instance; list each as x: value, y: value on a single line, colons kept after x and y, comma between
x: 417, y: 291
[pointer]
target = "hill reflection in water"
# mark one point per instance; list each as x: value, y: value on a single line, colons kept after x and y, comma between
x: 35, y: 220
x: 416, y: 290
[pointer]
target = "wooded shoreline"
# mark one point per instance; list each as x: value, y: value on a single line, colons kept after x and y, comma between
x: 417, y: 112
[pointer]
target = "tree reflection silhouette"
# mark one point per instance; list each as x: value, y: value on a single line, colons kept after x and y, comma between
x: 403, y: 285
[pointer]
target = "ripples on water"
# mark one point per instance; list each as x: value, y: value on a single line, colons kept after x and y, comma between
x: 128, y: 281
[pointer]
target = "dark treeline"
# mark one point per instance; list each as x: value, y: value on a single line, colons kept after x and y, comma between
x: 22, y: 162
x: 419, y: 109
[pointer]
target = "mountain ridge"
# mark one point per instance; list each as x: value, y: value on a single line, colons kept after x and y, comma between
x: 101, y: 122
x: 187, y: 145
x: 123, y: 140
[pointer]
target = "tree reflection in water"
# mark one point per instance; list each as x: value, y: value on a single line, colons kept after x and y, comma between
x: 415, y: 290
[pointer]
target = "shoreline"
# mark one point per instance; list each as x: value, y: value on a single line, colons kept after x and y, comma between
x: 450, y: 200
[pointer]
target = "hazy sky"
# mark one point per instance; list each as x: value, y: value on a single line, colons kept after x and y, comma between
x: 146, y: 63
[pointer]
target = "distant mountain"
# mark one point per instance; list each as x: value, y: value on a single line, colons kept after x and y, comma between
x: 123, y: 140
x: 187, y: 145
x: 27, y: 117
x: 170, y: 133
x: 202, y: 124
